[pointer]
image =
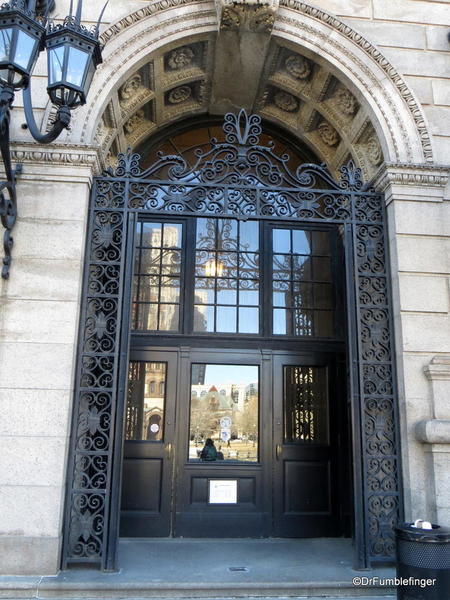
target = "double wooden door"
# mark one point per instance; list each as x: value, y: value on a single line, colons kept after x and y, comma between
x: 279, y: 422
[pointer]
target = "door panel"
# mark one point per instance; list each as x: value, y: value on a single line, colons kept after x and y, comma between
x: 223, y: 398
x: 149, y: 432
x: 282, y: 456
x: 305, y: 458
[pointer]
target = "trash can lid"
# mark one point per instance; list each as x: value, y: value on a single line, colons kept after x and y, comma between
x: 407, y: 531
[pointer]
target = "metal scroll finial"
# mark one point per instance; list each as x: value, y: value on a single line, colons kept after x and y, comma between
x: 242, y: 129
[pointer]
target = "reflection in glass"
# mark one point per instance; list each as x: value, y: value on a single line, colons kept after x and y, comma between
x: 305, y: 404
x: 5, y: 44
x: 24, y: 49
x: 76, y: 66
x: 227, y: 276
x: 301, y: 306
x: 157, y: 283
x: 226, y: 319
x: 145, y: 401
x: 224, y: 407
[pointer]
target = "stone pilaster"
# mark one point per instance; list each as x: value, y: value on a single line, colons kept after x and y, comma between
x: 435, y: 435
x: 39, y: 314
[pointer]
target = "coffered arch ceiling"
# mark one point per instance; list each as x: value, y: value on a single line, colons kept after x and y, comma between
x: 363, y: 111
x: 295, y: 92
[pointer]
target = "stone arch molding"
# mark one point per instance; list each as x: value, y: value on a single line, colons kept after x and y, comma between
x: 321, y: 80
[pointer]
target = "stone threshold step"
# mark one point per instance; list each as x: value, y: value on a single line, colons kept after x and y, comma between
x: 91, y: 591
x: 210, y: 597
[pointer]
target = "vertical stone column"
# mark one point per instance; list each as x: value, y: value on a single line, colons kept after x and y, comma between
x: 418, y: 215
x: 39, y: 311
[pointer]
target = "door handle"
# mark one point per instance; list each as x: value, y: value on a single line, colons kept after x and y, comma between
x: 168, y: 448
x: 278, y: 451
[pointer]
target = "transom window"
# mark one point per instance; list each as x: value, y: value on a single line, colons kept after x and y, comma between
x: 226, y: 297
x: 230, y: 276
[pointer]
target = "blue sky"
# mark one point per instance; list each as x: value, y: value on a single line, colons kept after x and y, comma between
x: 221, y: 374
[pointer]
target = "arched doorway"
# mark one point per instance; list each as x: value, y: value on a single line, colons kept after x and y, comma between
x: 240, y: 320
x: 300, y: 215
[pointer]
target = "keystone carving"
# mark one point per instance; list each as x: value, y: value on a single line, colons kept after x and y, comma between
x: 247, y: 15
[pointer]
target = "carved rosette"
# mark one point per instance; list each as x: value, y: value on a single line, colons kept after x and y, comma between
x: 130, y: 88
x: 374, y: 152
x: 285, y: 101
x: 328, y: 134
x: 297, y: 66
x: 180, y: 58
x: 346, y: 102
x: 135, y: 121
x: 132, y: 94
x: 179, y: 94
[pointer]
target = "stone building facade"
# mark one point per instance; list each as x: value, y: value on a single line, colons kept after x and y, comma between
x: 362, y: 79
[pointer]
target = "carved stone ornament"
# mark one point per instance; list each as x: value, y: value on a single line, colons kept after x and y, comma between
x: 346, y: 101
x: 180, y: 58
x: 285, y: 101
x: 246, y: 16
x: 328, y: 134
x: 374, y: 153
x: 130, y: 88
x: 297, y: 66
x: 179, y: 94
x: 135, y: 121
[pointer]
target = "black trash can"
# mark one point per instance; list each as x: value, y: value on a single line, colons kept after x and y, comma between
x: 423, y: 563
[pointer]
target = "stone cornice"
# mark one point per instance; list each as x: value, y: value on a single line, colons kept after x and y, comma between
x: 410, y: 174
x: 142, y: 13
x: 57, y: 155
x: 438, y: 368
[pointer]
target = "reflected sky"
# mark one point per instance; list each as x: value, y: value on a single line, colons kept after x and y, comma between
x: 231, y: 374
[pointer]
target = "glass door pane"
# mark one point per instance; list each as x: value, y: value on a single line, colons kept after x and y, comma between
x: 225, y: 410
x: 145, y: 401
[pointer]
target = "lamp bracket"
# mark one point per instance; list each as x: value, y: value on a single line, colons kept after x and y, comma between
x: 62, y: 120
x: 8, y: 197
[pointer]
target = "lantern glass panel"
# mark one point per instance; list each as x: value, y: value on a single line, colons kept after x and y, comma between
x: 25, y: 47
x: 5, y: 44
x: 76, y: 66
x: 56, y: 61
x: 89, y: 77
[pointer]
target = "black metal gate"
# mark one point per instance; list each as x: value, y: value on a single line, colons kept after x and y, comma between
x: 241, y: 179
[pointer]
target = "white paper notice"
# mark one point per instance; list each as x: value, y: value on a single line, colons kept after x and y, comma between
x: 223, y: 491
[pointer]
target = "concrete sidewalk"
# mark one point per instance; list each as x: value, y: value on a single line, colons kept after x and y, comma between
x: 219, y: 568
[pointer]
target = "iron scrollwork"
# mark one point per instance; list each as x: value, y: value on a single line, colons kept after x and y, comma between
x: 235, y: 178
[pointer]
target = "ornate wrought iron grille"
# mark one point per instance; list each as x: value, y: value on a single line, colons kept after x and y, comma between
x: 241, y: 179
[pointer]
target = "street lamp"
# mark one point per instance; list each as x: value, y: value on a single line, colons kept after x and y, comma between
x: 73, y: 51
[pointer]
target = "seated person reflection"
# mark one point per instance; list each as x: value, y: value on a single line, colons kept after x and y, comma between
x: 209, y: 452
